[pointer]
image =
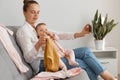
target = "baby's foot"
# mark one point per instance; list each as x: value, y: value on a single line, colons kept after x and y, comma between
x: 73, y: 63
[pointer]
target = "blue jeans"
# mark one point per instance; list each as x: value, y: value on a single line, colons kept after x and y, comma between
x: 86, y: 60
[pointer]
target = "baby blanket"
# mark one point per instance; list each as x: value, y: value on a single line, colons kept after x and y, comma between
x: 57, y: 75
x: 51, y: 58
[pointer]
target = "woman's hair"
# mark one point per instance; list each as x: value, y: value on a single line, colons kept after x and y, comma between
x: 27, y: 3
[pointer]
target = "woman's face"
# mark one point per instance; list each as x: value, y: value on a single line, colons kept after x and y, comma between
x: 32, y: 13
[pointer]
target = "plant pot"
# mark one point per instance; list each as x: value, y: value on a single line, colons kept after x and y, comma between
x: 100, y: 44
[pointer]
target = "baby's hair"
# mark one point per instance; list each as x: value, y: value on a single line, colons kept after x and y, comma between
x: 39, y: 25
x: 27, y: 3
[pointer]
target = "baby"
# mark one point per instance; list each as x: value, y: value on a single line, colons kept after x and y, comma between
x: 68, y: 54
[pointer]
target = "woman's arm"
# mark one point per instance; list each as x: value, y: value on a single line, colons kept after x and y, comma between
x: 69, y: 35
x: 29, y: 44
x: 25, y: 43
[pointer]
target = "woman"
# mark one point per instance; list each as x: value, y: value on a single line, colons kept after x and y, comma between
x: 31, y: 46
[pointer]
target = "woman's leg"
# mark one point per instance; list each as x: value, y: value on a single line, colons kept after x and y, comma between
x: 41, y: 67
x: 92, y: 62
x: 89, y: 58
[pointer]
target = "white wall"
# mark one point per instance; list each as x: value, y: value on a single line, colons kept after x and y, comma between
x: 67, y: 15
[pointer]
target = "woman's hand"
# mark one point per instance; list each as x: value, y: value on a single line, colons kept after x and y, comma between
x: 86, y: 30
x: 42, y: 38
x: 41, y: 41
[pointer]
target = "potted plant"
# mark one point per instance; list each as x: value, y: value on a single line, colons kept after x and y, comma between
x: 101, y: 27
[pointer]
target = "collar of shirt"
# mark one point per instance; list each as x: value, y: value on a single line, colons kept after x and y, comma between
x: 30, y: 28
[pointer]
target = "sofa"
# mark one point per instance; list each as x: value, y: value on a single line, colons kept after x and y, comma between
x: 9, y: 71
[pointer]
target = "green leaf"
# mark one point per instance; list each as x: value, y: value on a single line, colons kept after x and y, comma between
x: 101, y: 30
x: 96, y: 16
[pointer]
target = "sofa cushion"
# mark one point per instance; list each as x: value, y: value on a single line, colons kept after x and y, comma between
x: 8, y: 67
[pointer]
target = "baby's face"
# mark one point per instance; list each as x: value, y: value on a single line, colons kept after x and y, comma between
x: 41, y: 29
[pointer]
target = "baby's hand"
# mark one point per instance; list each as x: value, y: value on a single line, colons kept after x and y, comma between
x: 52, y: 35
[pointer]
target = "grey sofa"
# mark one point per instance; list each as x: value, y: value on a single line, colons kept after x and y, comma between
x: 8, y: 70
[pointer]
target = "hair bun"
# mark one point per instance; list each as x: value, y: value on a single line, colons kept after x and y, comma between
x: 24, y: 1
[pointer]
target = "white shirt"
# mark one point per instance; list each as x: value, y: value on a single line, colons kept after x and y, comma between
x: 27, y: 38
